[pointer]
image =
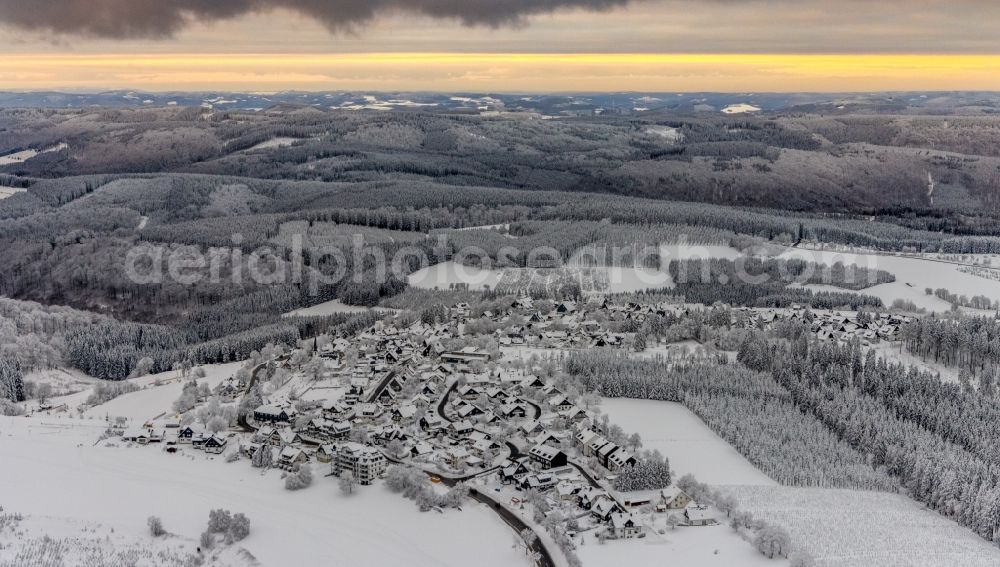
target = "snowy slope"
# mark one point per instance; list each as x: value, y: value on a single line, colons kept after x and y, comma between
x: 689, y: 444
x: 60, y: 473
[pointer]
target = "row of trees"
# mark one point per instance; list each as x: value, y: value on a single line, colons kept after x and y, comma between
x: 819, y: 414
x: 765, y: 283
x: 651, y: 471
x: 749, y: 409
x: 412, y: 483
x: 966, y: 342
x: 11, y: 380
x: 939, y: 441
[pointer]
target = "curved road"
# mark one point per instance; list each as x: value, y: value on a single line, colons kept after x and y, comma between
x: 254, y: 377
x: 508, y: 517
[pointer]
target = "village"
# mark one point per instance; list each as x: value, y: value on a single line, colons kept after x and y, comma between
x: 466, y: 408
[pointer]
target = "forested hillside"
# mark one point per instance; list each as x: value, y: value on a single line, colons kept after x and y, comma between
x: 879, y: 164
x: 297, y: 189
x: 822, y: 414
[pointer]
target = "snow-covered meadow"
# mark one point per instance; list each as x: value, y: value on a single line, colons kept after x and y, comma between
x: 155, y: 396
x: 618, y: 279
x: 331, y: 307
x: 690, y: 445
x: 704, y: 546
x: 63, y: 478
x: 913, y: 276
x: 10, y: 191
x: 25, y: 155
x: 848, y: 528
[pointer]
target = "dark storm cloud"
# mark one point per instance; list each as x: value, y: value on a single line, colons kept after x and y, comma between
x: 127, y: 19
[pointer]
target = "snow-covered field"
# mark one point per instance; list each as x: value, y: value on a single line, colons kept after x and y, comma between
x: 913, y: 275
x: 43, y: 541
x: 57, y: 474
x: 9, y: 191
x: 690, y: 251
x: 705, y: 546
x: 25, y: 155
x: 64, y: 381
x: 740, y: 108
x: 447, y: 274
x: 278, y: 142
x: 155, y: 397
x: 326, y: 308
x: 158, y: 393
x: 689, y: 444
x: 620, y: 280
x: 895, y: 352
x: 668, y: 134
x: 846, y: 528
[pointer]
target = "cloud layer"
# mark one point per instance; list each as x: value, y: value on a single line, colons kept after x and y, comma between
x: 135, y: 19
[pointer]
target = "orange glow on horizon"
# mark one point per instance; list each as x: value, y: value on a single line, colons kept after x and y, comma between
x: 503, y: 72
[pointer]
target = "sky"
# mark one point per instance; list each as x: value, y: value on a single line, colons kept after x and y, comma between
x: 500, y: 45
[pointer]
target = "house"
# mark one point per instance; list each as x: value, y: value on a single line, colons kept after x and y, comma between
x: 250, y: 448
x: 589, y: 440
x: 619, y: 459
x: 467, y: 354
x: 566, y: 307
x: 539, y: 481
x: 336, y: 410
x: 144, y: 436
x: 421, y: 448
x: 431, y: 423
x: 468, y: 392
x: 269, y: 435
x: 198, y: 441
x: 465, y: 410
x: 546, y: 438
x: 513, y: 471
x: 404, y: 412
x: 603, y: 506
x: 385, y: 434
x: 523, y: 303
x: 326, y: 453
x: 532, y: 427
x: 135, y: 434
x: 586, y: 498
x: 623, y: 526
x: 574, y: 414
x: 673, y: 498
x: 273, y: 414
x: 290, y: 457
x: 559, y: 403
x: 497, y: 395
x: 484, y: 446
x: 366, y: 463
x: 532, y: 382
x: 547, y: 456
x: 339, y: 429
x: 604, y: 452
x: 215, y: 445
x: 367, y: 412
x: 288, y: 437
x: 186, y: 433
x: 567, y: 491
x: 317, y: 426
x: 455, y: 456
x: 458, y: 429
x: 698, y: 515
x: 513, y: 410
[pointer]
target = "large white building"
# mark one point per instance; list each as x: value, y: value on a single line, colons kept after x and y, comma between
x: 367, y: 463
